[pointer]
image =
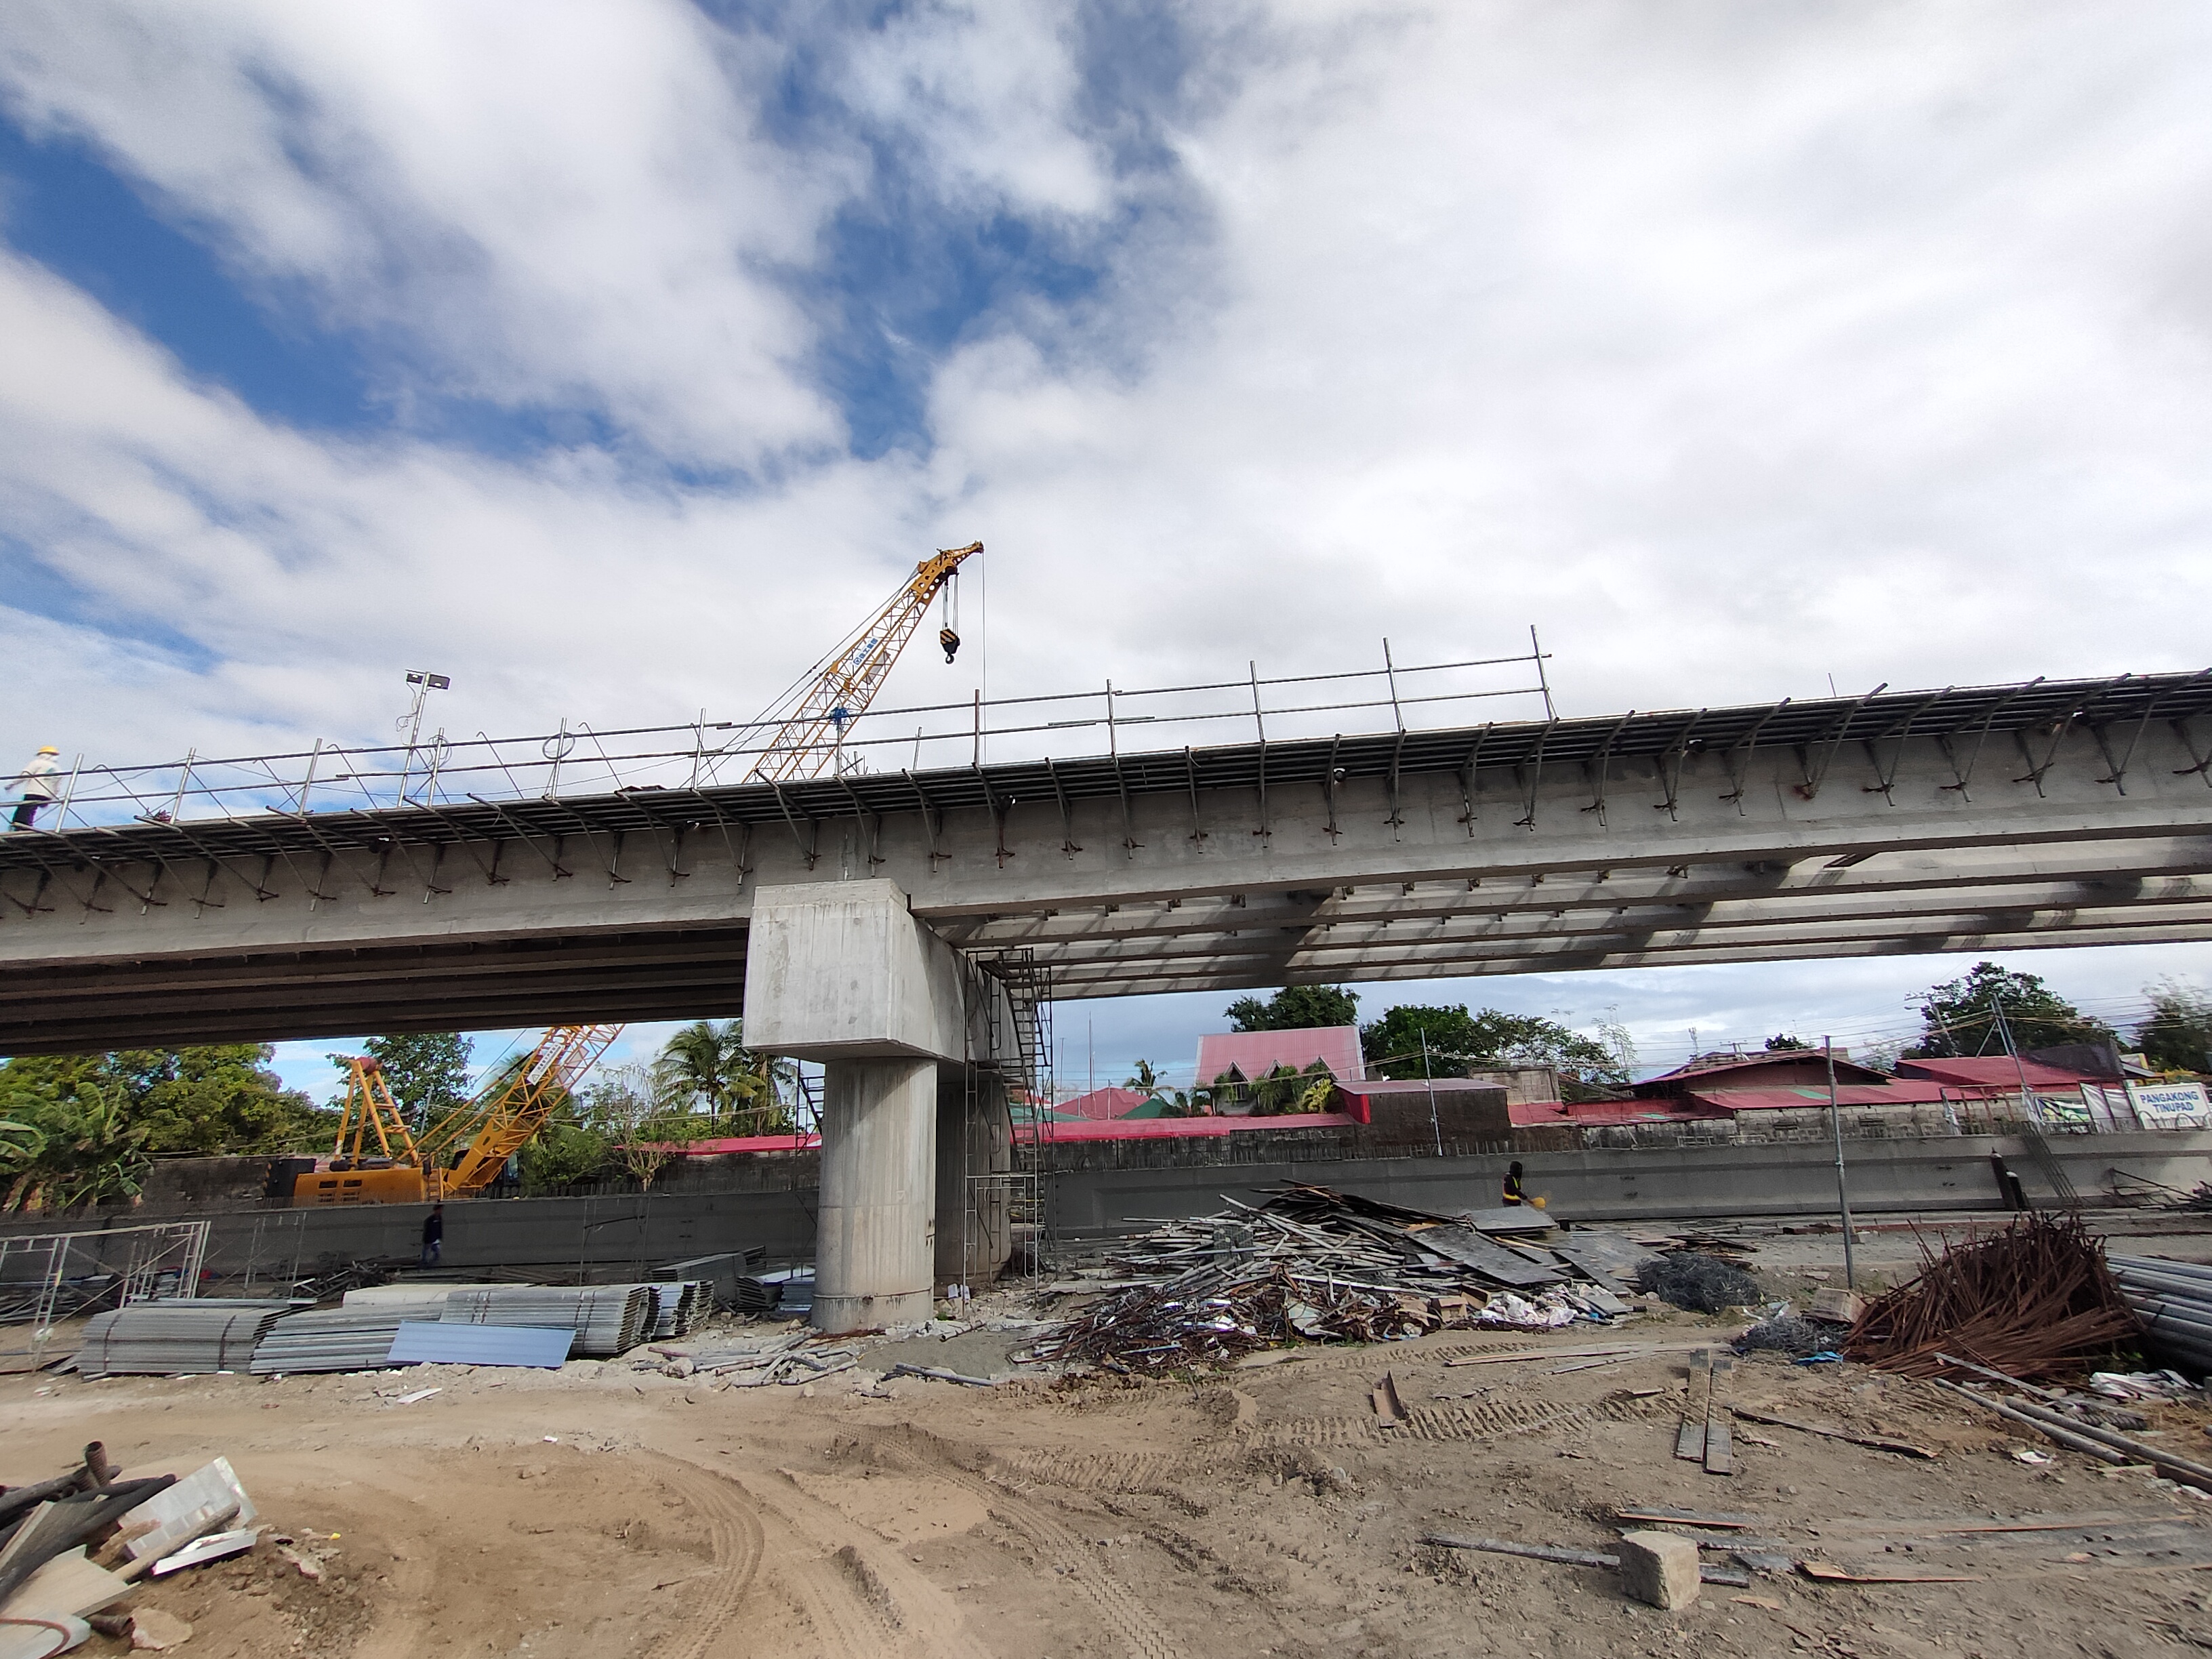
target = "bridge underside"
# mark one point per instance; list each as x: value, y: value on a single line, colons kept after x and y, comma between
x: 1986, y: 820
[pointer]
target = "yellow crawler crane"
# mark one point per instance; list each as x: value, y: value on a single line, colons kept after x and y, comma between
x: 503, y: 1120
x: 391, y: 1173
x: 812, y: 717
x: 496, y: 1124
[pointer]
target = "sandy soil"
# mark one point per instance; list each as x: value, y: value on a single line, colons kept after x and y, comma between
x: 604, y: 1510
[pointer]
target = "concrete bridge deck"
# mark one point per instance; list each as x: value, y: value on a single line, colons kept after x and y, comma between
x: 1996, y: 819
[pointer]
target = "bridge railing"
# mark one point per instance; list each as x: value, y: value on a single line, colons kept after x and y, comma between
x: 579, y: 759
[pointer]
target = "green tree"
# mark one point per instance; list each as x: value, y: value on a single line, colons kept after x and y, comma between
x: 1960, y: 1017
x: 563, y: 1153
x: 1296, y: 1008
x: 2177, y: 1037
x: 707, y: 1066
x: 1785, y: 1045
x: 70, y: 1139
x: 1459, y: 1041
x: 1144, y: 1077
x: 427, y: 1072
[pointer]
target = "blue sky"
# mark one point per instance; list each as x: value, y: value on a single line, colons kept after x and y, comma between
x: 615, y: 360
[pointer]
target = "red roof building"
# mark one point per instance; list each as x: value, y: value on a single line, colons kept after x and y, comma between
x: 1253, y: 1055
x: 1102, y: 1105
x: 1783, y: 1068
x: 2002, y: 1073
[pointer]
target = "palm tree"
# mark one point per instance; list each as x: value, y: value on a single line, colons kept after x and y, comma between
x: 702, y: 1062
x: 1145, y: 1079
x: 710, y: 1063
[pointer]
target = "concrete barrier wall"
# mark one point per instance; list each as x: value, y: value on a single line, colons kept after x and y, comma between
x: 620, y: 1234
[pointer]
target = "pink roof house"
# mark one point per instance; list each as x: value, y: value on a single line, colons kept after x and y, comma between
x: 1253, y: 1055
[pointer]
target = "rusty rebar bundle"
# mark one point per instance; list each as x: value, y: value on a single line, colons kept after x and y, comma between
x: 2034, y: 1300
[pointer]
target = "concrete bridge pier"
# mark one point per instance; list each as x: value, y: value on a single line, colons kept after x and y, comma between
x: 842, y: 972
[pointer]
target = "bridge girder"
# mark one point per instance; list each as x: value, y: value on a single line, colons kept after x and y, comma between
x: 2004, y: 819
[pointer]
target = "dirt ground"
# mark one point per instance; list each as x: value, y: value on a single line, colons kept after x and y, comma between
x: 604, y: 1509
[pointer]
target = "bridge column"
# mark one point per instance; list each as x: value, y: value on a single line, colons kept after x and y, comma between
x: 842, y: 973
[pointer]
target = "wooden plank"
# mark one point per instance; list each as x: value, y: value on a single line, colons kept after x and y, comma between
x: 67, y: 1586
x: 1879, y: 1443
x: 1390, y: 1409
x: 1692, y: 1517
x: 1827, y: 1572
x: 1470, y: 1248
x: 1720, y: 1449
x: 1626, y: 1350
x: 1690, y: 1441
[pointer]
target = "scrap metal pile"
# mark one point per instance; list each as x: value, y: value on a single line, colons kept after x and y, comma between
x: 1320, y: 1265
x: 2034, y: 1300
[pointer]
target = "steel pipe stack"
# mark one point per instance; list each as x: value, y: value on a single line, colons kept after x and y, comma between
x: 607, y: 1319
x: 182, y: 1337
x: 2174, y: 1300
x: 355, y: 1339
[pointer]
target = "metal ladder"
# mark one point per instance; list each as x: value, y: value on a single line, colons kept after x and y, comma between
x: 1027, y: 1010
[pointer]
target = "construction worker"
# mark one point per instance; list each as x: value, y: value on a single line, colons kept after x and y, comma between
x: 1513, y: 1194
x: 34, y: 783
x: 434, y: 1236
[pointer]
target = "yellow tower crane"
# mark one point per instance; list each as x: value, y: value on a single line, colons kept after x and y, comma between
x: 810, y: 719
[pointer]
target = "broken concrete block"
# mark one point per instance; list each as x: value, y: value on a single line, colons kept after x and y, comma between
x: 1659, y: 1567
x: 152, y: 1631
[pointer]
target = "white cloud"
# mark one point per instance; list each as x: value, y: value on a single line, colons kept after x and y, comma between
x: 551, y: 203
x: 1735, y: 347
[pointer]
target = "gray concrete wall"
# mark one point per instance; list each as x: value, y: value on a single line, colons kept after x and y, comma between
x: 619, y: 1234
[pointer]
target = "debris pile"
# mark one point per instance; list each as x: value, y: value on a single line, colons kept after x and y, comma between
x: 76, y: 1545
x: 2174, y: 1300
x: 1322, y: 1265
x: 2034, y: 1300
x: 1698, y: 1280
x: 1787, y: 1333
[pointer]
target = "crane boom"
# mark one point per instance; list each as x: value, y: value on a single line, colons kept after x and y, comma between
x: 839, y: 686
x: 505, y: 1122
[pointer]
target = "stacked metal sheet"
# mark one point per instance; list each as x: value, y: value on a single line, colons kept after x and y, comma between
x: 2174, y: 1300
x: 350, y: 1339
x: 681, y: 1303
x: 179, y: 1337
x: 607, y: 1319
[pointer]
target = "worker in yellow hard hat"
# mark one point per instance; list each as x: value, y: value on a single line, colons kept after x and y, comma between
x: 35, y: 785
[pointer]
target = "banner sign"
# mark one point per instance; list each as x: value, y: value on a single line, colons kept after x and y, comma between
x: 2172, y: 1105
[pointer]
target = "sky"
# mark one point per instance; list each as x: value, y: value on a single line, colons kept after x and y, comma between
x: 615, y: 359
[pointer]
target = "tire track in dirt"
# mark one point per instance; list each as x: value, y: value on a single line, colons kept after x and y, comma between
x: 863, y: 1601
x: 733, y: 1529
x: 1142, y: 1472
x: 1057, y: 1546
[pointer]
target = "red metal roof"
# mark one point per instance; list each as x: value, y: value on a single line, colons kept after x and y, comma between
x: 1159, y: 1128
x: 1255, y: 1053
x: 1698, y: 1073
x: 1911, y: 1092
x: 2001, y: 1072
x: 1103, y: 1105
x: 1599, y: 1114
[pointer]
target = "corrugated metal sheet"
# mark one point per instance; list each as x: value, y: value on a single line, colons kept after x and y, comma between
x: 2000, y: 1072
x: 419, y: 1343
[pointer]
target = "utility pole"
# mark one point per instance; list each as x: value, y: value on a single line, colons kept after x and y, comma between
x: 1843, y: 1193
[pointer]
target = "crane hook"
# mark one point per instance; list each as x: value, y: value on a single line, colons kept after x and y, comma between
x: 950, y: 641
